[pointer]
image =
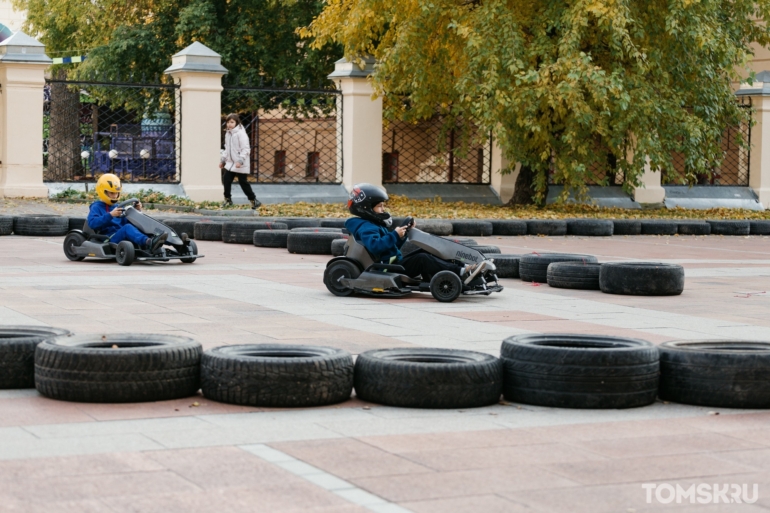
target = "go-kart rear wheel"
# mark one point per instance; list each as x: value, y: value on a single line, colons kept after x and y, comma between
x: 72, y: 241
x: 192, y: 249
x: 446, y: 286
x: 337, y: 271
x: 125, y: 253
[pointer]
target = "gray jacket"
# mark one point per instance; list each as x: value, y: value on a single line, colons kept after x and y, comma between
x: 237, y: 149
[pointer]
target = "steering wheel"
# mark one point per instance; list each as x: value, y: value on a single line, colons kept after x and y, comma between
x: 408, y: 222
x: 125, y: 204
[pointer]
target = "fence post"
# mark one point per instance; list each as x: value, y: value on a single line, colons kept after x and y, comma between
x: 503, y: 185
x: 22, y: 66
x: 651, y: 192
x: 198, y: 70
x: 361, y: 124
x: 759, y: 156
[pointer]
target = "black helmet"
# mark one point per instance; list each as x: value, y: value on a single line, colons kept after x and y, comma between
x: 362, y: 201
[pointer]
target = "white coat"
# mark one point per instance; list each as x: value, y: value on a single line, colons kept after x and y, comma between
x: 237, y: 149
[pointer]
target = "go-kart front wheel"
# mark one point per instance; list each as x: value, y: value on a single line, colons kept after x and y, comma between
x: 125, y: 253
x: 337, y: 271
x: 446, y: 286
x: 72, y: 241
x: 192, y: 249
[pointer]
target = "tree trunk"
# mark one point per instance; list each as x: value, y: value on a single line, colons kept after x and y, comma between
x: 524, y: 190
x: 64, y: 133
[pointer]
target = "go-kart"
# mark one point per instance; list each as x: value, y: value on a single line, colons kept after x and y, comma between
x: 357, y: 272
x: 79, y: 244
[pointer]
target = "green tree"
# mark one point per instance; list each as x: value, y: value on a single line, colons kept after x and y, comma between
x: 563, y: 85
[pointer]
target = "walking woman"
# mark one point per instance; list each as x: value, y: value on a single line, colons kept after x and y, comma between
x: 236, y: 160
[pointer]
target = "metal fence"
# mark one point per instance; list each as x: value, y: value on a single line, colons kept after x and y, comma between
x: 425, y: 153
x: 94, y: 127
x: 295, y: 133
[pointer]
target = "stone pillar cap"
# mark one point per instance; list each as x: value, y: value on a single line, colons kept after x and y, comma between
x: 22, y: 48
x: 760, y: 87
x: 197, y: 58
x: 344, y: 68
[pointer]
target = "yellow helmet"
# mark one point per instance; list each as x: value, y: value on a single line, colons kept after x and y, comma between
x: 108, y: 183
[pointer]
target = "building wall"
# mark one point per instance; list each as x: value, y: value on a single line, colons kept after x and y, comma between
x: 10, y: 17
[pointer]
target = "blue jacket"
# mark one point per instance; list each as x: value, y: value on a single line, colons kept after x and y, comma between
x: 381, y: 242
x: 100, y: 220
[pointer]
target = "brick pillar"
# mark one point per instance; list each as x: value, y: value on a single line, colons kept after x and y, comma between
x: 22, y: 66
x: 198, y: 70
x: 361, y: 124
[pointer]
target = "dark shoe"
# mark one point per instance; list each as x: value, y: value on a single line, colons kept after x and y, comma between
x: 255, y: 204
x: 156, y: 242
x: 227, y: 203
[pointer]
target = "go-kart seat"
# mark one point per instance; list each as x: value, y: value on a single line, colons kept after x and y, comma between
x: 358, y: 252
x: 92, y: 235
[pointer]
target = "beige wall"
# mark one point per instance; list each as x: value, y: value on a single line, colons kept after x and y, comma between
x: 10, y: 17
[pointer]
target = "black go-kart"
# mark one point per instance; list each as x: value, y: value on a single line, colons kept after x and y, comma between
x: 80, y: 244
x: 356, y: 271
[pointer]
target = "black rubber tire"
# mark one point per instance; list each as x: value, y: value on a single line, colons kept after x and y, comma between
x: 659, y: 227
x: 534, y: 266
x: 338, y: 246
x: 445, y: 286
x: 208, y: 230
x: 434, y: 226
x: 125, y: 253
x: 507, y: 265
x: 693, y: 228
x: 316, y: 229
x: 471, y: 227
x: 487, y: 250
x: 759, y: 227
x: 193, y: 247
x: 626, y: 227
x: 590, y: 227
x: 71, y: 241
x: 17, y: 353
x: 337, y: 270
x: 546, y: 227
x: 40, y: 226
x: 312, y: 243
x: 333, y: 223
x: 294, y: 222
x: 508, y: 227
x: 729, y: 227
x: 243, y: 232
x: 6, y: 225
x: 181, y: 226
x: 574, y: 275
x: 277, y: 375
x: 76, y: 223
x: 641, y: 279
x: 579, y: 371
x: 725, y: 374
x: 270, y: 238
x: 428, y: 378
x: 86, y: 368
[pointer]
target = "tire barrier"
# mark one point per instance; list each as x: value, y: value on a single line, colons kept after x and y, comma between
x: 338, y: 246
x: 40, y: 225
x: 507, y: 265
x: 659, y: 227
x: 546, y: 227
x: 534, y: 266
x: 17, y: 353
x: 508, y: 227
x: 472, y: 227
x: 641, y: 279
x: 626, y: 227
x: 312, y: 243
x: 590, y: 227
x: 243, y: 232
x: 76, y: 223
x: 579, y: 371
x: 270, y: 238
x: 118, y: 368
x: 428, y: 378
x: 208, y: 231
x: 693, y: 228
x: 729, y: 227
x: 6, y: 225
x: 574, y: 275
x: 727, y: 374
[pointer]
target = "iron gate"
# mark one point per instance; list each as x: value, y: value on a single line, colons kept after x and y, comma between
x: 295, y: 133
x: 425, y: 152
x: 94, y: 127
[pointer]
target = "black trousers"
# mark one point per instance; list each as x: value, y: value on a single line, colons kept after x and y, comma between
x: 227, y: 181
x: 425, y: 264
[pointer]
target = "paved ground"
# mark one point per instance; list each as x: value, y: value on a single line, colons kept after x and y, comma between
x: 177, y: 456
